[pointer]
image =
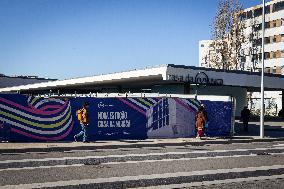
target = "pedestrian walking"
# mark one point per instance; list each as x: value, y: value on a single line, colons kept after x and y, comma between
x: 206, y: 125
x: 83, y: 117
x: 200, y: 122
x: 245, y: 114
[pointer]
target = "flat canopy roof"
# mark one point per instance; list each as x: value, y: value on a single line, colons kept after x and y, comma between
x: 164, y: 74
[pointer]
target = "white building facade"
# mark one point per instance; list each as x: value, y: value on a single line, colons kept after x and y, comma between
x: 251, y: 50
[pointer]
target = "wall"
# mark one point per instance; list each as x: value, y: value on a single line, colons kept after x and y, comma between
x: 25, y: 118
x: 238, y: 92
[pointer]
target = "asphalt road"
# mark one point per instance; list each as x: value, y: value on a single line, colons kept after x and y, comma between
x: 239, y: 165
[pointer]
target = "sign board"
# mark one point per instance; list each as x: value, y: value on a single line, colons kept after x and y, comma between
x: 200, y: 78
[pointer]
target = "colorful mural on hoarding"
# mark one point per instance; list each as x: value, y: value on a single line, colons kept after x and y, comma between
x: 26, y: 118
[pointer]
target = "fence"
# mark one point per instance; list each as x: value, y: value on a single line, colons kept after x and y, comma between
x: 29, y: 118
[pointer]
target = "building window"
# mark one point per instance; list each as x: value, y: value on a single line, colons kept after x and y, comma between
x: 259, y: 41
x: 274, y: 39
x: 278, y: 6
x: 257, y: 12
x: 278, y: 70
x: 266, y: 55
x: 278, y: 38
x: 274, y: 55
x: 282, y: 54
x: 259, y: 56
x: 278, y: 23
x: 254, y: 57
x: 267, y: 40
x: 272, y: 23
x: 243, y: 16
x: 271, y: 38
x: 270, y: 55
x: 256, y: 42
x: 267, y: 70
x: 278, y: 54
x: 202, y: 45
x: 267, y: 9
x: 251, y: 37
x: 249, y: 14
x: 257, y: 27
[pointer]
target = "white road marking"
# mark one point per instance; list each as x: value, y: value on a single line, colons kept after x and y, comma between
x: 20, y: 153
x: 135, y: 162
x: 208, y: 183
x: 185, y: 159
x: 137, y: 177
x: 133, y: 155
x: 41, y: 167
x: 278, y: 145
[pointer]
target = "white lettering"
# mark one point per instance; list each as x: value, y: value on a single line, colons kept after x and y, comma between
x: 113, y: 119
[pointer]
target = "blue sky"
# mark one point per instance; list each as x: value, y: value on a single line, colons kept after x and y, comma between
x: 74, y: 38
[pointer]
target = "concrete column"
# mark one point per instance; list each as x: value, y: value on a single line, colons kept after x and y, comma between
x: 186, y: 88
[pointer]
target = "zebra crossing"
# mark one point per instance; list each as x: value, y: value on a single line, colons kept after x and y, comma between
x: 128, y: 169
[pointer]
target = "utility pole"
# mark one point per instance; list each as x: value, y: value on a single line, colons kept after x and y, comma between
x: 261, y: 135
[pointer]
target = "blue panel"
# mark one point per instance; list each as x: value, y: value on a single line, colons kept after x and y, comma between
x: 25, y: 118
x: 219, y: 117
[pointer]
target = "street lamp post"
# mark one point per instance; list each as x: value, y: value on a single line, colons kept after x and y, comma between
x: 262, y: 74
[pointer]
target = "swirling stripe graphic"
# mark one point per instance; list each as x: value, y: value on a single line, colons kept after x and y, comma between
x: 135, y: 101
x: 192, y: 103
x: 43, y: 132
x: 186, y: 104
x: 45, y: 101
x: 37, y: 121
x: 132, y: 106
x: 32, y: 116
x: 145, y: 102
x: 140, y: 104
x: 34, y: 124
x: 43, y: 137
x: 50, y: 107
x: 34, y: 111
x: 152, y: 100
x: 44, y: 104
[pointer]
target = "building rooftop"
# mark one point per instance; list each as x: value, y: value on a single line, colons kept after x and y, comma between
x: 158, y: 75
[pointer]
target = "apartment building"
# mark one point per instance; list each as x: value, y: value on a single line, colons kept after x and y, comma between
x: 251, y: 50
x: 250, y: 55
x: 274, y: 37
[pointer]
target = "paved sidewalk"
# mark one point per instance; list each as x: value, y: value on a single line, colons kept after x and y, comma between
x: 274, y: 131
x: 66, y: 146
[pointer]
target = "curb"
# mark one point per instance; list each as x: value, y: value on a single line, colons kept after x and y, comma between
x: 97, y: 160
x: 192, y: 143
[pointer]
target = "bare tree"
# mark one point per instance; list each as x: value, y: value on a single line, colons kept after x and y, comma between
x: 228, y: 36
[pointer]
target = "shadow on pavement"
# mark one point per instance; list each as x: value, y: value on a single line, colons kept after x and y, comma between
x: 272, y: 129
